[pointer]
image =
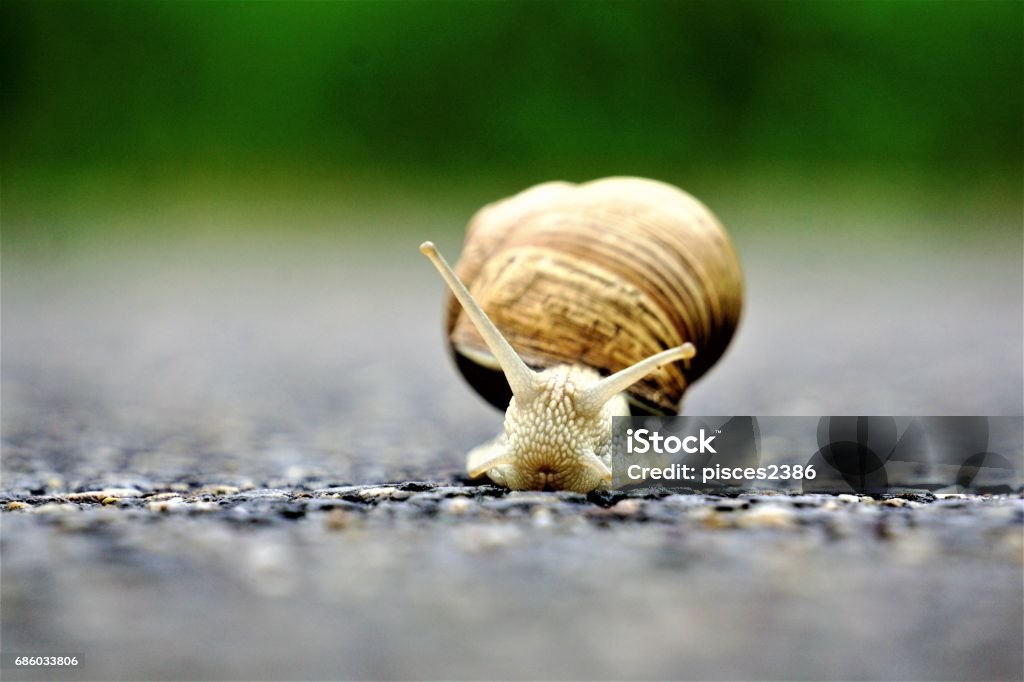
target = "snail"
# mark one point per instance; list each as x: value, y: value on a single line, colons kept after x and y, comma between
x: 572, y: 304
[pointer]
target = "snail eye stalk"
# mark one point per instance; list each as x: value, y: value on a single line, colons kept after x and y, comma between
x: 521, y: 378
x: 599, y: 394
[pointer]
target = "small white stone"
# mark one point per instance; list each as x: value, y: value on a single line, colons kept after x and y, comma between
x: 384, y: 492
x: 457, y: 505
x: 542, y: 518
x: 100, y: 495
x: 165, y: 504
x: 219, y: 490
x: 766, y: 516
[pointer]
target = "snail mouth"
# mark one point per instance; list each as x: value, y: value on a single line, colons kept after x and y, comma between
x: 546, y: 479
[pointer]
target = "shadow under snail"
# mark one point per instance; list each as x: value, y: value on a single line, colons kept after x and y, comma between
x: 572, y: 304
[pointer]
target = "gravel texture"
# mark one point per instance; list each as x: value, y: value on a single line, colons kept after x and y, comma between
x: 425, y: 580
x: 241, y: 460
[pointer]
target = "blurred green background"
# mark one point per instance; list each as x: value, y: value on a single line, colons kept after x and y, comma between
x: 108, y: 104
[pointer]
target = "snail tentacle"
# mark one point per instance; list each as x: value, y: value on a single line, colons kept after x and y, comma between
x: 520, y: 378
x: 599, y: 394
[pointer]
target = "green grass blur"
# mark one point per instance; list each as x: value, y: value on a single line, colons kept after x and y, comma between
x: 107, y: 103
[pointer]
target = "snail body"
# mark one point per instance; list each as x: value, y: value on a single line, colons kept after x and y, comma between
x: 571, y: 304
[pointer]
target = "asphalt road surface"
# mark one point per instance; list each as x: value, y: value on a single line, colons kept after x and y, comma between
x: 240, y: 458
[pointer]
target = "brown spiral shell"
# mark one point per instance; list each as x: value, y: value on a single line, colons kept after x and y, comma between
x: 603, y: 274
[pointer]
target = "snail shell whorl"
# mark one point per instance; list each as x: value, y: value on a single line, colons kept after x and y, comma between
x: 602, y: 274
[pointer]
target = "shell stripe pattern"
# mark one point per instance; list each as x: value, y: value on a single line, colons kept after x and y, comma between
x: 602, y: 274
